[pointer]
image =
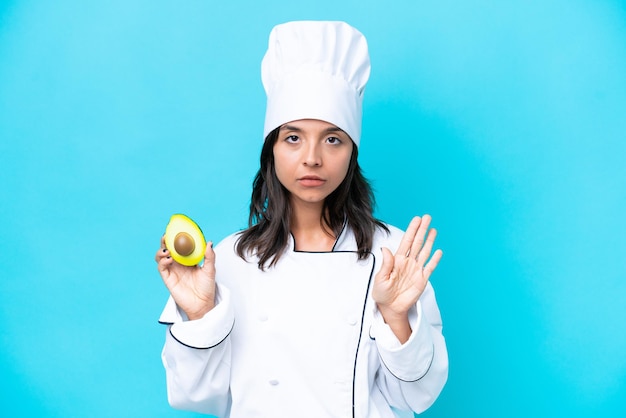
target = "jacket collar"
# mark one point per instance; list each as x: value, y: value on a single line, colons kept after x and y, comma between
x: 344, y: 242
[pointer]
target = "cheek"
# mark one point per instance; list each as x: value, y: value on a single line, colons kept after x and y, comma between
x: 342, y: 165
x: 281, y: 166
x: 280, y: 174
x: 347, y: 157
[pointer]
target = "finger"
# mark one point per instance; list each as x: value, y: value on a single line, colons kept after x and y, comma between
x: 409, y: 236
x: 162, y: 252
x: 209, y: 258
x: 164, y: 264
x: 387, y: 267
x: 432, y: 264
x: 418, y: 241
x: 424, y: 254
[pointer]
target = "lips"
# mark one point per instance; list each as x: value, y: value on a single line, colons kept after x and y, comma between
x: 311, y: 181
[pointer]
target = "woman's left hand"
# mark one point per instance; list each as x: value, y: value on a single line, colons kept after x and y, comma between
x: 403, y: 277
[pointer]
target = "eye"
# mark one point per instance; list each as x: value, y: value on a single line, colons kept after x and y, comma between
x: 333, y: 140
x: 292, y: 139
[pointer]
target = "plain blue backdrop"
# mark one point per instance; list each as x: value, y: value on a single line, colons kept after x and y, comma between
x: 504, y: 120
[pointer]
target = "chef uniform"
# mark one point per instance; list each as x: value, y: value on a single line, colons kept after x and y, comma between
x: 304, y: 337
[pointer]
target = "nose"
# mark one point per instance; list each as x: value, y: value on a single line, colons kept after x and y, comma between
x: 312, y: 155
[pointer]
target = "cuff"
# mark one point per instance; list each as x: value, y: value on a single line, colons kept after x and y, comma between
x: 203, y: 333
x: 410, y: 361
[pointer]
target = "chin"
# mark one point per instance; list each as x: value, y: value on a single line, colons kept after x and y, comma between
x: 311, y: 199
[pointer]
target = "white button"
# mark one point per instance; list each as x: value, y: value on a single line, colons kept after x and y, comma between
x: 273, y: 382
x: 352, y: 320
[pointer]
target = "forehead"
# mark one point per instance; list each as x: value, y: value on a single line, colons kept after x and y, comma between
x: 310, y: 125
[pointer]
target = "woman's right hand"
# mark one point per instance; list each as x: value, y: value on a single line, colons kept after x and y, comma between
x: 193, y: 288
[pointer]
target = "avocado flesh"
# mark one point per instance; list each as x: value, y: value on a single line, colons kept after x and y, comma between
x: 184, y: 240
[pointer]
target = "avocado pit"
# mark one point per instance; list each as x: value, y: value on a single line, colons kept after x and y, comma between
x: 184, y: 244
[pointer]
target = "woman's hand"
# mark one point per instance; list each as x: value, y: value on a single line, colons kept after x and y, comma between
x: 403, y: 277
x: 193, y: 288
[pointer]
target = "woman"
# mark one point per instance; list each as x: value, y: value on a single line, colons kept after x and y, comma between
x: 308, y: 312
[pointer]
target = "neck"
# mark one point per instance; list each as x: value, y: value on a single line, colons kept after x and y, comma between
x: 309, y: 230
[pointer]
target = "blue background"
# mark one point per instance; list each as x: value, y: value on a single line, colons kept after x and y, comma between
x: 504, y: 120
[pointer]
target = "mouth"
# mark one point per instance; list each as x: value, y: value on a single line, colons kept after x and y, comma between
x: 311, y: 181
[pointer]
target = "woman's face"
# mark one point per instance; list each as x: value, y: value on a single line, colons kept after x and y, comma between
x: 311, y: 159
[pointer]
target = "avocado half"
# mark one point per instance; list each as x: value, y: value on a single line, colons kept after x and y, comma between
x: 184, y: 240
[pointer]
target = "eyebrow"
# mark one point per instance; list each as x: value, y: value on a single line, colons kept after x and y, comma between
x: 330, y: 129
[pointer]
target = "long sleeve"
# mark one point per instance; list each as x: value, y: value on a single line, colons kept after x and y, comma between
x: 197, y: 357
x: 413, y: 374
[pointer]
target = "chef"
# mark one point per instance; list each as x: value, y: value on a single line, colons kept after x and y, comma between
x: 317, y: 309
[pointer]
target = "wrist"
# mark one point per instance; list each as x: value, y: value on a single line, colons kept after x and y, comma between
x: 391, y: 315
x: 199, y: 314
x: 398, y: 322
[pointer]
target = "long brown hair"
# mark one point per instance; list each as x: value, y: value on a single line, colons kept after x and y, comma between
x: 270, y: 210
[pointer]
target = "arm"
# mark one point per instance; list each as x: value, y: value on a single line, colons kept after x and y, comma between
x: 196, y: 357
x: 413, y: 374
x: 197, y: 351
x: 407, y: 326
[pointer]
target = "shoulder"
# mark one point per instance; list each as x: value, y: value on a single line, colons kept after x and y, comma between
x: 228, y: 264
x: 226, y: 249
x: 389, y: 239
x: 228, y: 243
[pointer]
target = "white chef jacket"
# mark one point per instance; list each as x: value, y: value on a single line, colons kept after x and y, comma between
x: 303, y: 339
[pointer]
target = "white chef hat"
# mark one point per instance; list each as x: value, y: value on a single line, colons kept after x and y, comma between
x: 315, y: 70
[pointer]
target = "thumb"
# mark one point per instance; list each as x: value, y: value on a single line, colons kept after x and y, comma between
x: 209, y: 259
x: 387, y: 266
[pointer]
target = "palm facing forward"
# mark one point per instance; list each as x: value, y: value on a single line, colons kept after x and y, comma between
x: 403, y: 277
